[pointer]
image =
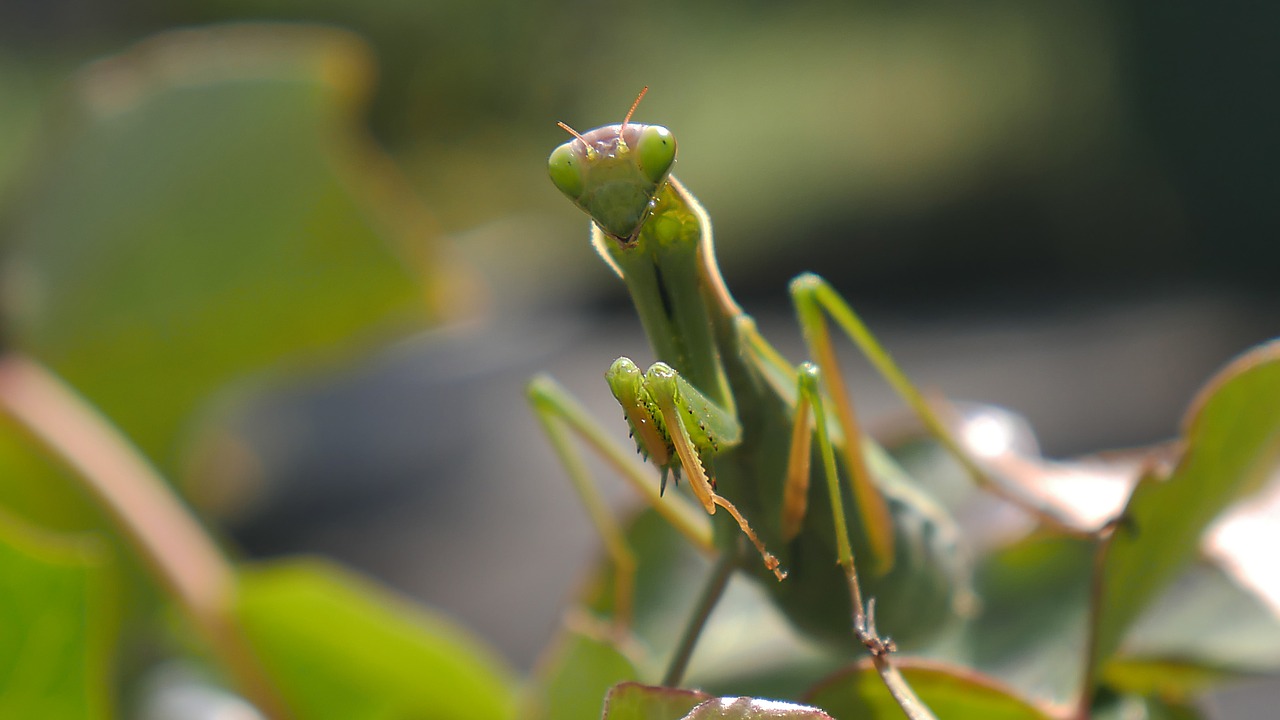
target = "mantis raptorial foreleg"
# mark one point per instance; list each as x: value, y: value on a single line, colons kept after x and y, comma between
x: 562, y: 417
x: 678, y: 427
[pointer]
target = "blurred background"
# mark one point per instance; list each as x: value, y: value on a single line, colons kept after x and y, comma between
x: 306, y: 254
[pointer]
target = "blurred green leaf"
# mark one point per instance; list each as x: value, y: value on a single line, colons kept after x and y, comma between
x: 336, y: 646
x: 211, y: 209
x: 1205, y: 629
x: 37, y: 488
x: 1031, y: 628
x: 1232, y: 438
x: 572, y: 681
x: 1134, y: 707
x: 57, y: 625
x: 633, y: 701
x: 22, y: 83
x: 951, y: 692
x: 1163, y: 677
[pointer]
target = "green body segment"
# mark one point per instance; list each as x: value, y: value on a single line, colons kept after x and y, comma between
x: 663, y: 271
x: 695, y: 328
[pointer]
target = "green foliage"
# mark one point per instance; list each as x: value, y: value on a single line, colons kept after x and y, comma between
x: 1032, y: 629
x: 950, y: 692
x: 1173, y: 652
x: 338, y: 647
x: 57, y: 625
x: 1232, y: 444
x: 210, y: 210
x: 209, y: 207
x: 579, y: 670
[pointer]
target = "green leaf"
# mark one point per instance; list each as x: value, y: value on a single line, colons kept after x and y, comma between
x: 1031, y: 631
x: 1231, y: 443
x: 1164, y: 677
x: 950, y: 691
x: 1135, y: 707
x: 633, y: 701
x: 38, y: 489
x: 1204, y: 630
x: 336, y: 647
x: 581, y: 666
x: 212, y: 209
x: 57, y: 625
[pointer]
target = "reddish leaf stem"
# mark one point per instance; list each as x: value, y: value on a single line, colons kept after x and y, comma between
x: 180, y: 555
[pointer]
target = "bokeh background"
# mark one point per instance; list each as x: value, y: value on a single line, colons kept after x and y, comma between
x: 325, y: 229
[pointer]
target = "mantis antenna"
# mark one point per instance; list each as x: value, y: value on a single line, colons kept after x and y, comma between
x: 621, y: 129
x: 632, y: 111
x: 581, y: 139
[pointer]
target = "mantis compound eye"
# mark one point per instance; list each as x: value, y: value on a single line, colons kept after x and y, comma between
x: 565, y: 168
x: 655, y: 152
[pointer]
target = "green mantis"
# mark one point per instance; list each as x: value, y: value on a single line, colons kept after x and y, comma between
x: 725, y: 412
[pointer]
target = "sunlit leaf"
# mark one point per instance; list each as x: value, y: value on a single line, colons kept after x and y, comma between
x: 1231, y: 440
x: 950, y: 691
x: 338, y: 647
x: 1241, y: 542
x: 57, y: 626
x: 745, y: 708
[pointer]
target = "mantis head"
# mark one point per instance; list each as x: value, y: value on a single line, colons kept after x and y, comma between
x: 615, y: 172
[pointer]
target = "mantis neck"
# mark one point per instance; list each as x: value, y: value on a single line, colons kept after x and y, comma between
x: 677, y: 289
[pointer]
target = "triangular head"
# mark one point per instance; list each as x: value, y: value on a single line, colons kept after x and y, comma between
x: 615, y: 172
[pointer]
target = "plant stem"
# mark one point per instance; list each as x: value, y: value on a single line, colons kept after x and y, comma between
x: 711, y: 593
x: 902, y: 693
x: 180, y: 555
x: 864, y: 627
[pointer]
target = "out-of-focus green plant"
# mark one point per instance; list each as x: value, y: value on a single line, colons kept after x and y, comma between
x: 210, y: 208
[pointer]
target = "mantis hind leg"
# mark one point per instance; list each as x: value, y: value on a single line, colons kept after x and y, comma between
x: 562, y: 417
x: 812, y: 420
x: 812, y: 297
x: 810, y: 411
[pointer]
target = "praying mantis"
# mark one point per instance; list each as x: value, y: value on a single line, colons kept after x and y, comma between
x: 726, y: 412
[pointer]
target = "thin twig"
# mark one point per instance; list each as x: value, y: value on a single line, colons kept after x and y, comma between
x: 901, y: 691
x: 167, y: 537
x: 711, y: 592
x: 880, y: 648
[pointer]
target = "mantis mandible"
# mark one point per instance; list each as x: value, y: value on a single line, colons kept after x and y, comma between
x: 727, y: 412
